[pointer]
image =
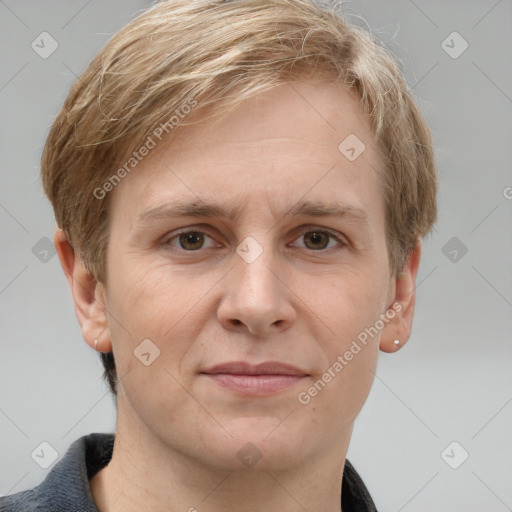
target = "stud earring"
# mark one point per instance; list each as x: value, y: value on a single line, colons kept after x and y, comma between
x: 397, y: 342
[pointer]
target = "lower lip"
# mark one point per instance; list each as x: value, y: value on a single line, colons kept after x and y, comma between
x: 255, y: 384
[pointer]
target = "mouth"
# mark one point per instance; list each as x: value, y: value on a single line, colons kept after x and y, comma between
x: 256, y: 380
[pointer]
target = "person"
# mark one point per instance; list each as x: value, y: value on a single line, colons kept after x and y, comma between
x: 241, y: 190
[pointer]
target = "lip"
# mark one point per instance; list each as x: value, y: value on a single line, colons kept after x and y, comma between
x: 255, y: 379
x: 244, y: 368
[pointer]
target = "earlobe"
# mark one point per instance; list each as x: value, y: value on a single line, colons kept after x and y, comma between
x: 398, y: 330
x: 88, y: 295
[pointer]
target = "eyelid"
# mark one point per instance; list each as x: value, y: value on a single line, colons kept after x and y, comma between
x: 309, y: 228
x: 189, y: 229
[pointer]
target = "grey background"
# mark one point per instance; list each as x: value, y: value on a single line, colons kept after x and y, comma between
x: 452, y: 382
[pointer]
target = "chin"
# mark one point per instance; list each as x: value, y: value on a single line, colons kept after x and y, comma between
x: 260, y: 443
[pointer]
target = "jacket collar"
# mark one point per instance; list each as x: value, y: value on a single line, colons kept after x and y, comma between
x: 67, y: 485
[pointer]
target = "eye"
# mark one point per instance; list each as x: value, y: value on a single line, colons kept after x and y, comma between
x: 188, y: 240
x: 193, y: 241
x: 317, y: 239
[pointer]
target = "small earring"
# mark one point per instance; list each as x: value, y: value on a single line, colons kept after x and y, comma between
x: 397, y: 342
x: 96, y: 344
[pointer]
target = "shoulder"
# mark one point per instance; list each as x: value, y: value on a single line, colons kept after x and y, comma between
x: 354, y: 494
x: 66, y: 487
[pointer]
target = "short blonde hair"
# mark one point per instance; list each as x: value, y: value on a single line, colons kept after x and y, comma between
x: 214, y: 54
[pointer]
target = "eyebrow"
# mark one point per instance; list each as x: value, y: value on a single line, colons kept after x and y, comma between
x: 218, y: 210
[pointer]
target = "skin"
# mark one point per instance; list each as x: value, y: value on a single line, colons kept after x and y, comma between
x: 302, y: 301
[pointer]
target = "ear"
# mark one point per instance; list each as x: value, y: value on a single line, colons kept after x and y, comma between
x: 88, y: 295
x: 402, y: 300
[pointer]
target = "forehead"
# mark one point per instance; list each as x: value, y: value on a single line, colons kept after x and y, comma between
x: 314, y: 114
x: 301, y: 142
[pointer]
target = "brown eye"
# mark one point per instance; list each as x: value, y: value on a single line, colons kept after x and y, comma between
x: 191, y: 240
x: 320, y: 240
x: 317, y: 239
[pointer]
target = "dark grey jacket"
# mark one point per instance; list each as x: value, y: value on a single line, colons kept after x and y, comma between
x: 66, y: 488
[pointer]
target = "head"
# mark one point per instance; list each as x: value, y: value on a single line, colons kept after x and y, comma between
x: 257, y: 107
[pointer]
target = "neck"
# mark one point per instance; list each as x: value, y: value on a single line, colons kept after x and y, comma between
x: 145, y: 474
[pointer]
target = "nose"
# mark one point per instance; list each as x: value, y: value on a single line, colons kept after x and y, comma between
x: 257, y: 297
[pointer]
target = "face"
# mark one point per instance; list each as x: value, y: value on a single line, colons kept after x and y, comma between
x: 250, y: 303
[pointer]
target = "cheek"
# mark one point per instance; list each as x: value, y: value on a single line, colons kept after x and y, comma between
x: 338, y: 391
x: 149, y: 300
x: 349, y: 301
x: 145, y: 293
x: 153, y: 304
x: 350, y: 388
x: 349, y: 307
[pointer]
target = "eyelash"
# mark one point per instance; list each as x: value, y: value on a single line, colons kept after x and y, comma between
x: 167, y: 241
